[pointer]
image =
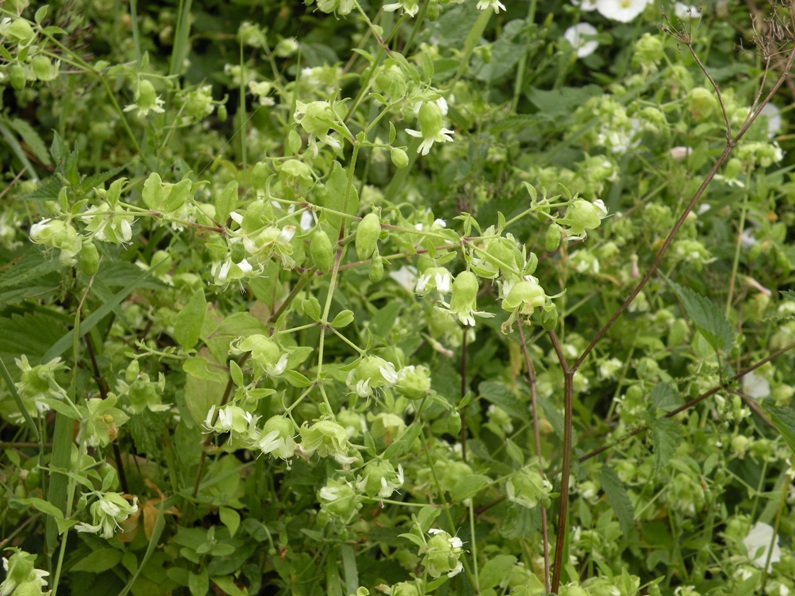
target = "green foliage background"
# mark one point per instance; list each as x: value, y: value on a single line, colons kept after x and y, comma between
x: 185, y: 197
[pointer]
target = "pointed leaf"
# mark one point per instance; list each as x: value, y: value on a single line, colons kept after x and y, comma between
x: 707, y: 318
x: 190, y: 319
x: 665, y: 437
x: 784, y: 421
x: 618, y: 498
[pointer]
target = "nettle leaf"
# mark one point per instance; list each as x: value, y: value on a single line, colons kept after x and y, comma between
x: 788, y: 294
x: 618, y: 498
x: 707, y: 318
x: 501, y: 396
x: 666, y: 435
x: 665, y: 397
x: 784, y: 421
x: 32, y: 140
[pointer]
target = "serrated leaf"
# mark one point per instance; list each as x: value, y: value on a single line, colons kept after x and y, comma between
x: 707, y: 318
x: 99, y: 180
x: 495, y: 570
x: 29, y: 267
x: 189, y: 321
x: 32, y: 140
x: 618, y: 498
x: 666, y: 435
x: 788, y: 294
x: 500, y: 395
x: 665, y: 397
x: 784, y: 421
x: 29, y: 334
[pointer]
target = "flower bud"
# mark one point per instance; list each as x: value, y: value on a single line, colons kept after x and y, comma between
x: 328, y: 439
x: 338, y: 499
x: 399, y: 157
x: 367, y: 235
x: 222, y: 113
x: 379, y: 479
x: 321, y: 251
x: 43, y: 68
x: 552, y: 239
x: 583, y: 215
x: 648, y: 51
x: 376, y: 271
x: 16, y: 75
x: 526, y: 487
x: 549, y: 317
x: 442, y: 553
x: 433, y: 10
x: 20, y: 31
x: 414, y: 382
x: 701, y: 103
x: 265, y: 352
x: 277, y: 438
x: 89, y: 259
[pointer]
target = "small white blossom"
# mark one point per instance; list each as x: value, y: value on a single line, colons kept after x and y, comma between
x: 686, y: 11
x: 579, y: 37
x: 758, y: 544
x: 495, y: 5
x: 622, y: 11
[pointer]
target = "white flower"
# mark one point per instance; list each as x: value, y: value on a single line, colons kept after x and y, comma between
x: 586, y: 5
x: 494, y: 4
x: 406, y: 276
x: 679, y: 153
x: 773, y: 115
x: 622, y: 11
x: 307, y: 221
x: 389, y: 373
x: 758, y: 543
x: 686, y: 11
x: 579, y: 36
x: 409, y: 7
x: 756, y: 386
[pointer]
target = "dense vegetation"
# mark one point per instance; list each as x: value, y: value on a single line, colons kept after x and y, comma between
x: 448, y: 297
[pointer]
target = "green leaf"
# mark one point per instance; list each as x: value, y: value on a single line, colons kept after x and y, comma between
x: 784, y: 421
x: 468, y: 486
x: 190, y: 319
x: 201, y: 395
x: 618, y: 498
x: 495, y: 570
x: 382, y: 321
x: 226, y: 202
x: 228, y: 585
x: 199, y: 583
x: 666, y: 435
x: 788, y: 294
x: 42, y: 505
x: 339, y: 196
x: 98, y: 561
x: 707, y: 318
x: 230, y: 518
x: 404, y: 444
x: 514, y: 452
x: 32, y: 140
x: 202, y: 368
x: 296, y: 379
x: 665, y: 397
x: 90, y: 322
x: 500, y: 395
x: 343, y: 319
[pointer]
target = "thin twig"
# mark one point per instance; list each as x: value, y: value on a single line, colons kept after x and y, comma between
x: 463, y: 393
x: 565, y: 471
x: 531, y: 379
x: 724, y: 385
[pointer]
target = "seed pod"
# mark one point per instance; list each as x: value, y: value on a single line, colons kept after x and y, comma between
x: 399, y: 157
x: 552, y: 239
x: 222, y: 113
x: 89, y: 259
x: 367, y: 236
x: 433, y: 10
x: 321, y: 251
x: 16, y: 75
x: 41, y: 66
x: 376, y: 268
x: 549, y: 318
